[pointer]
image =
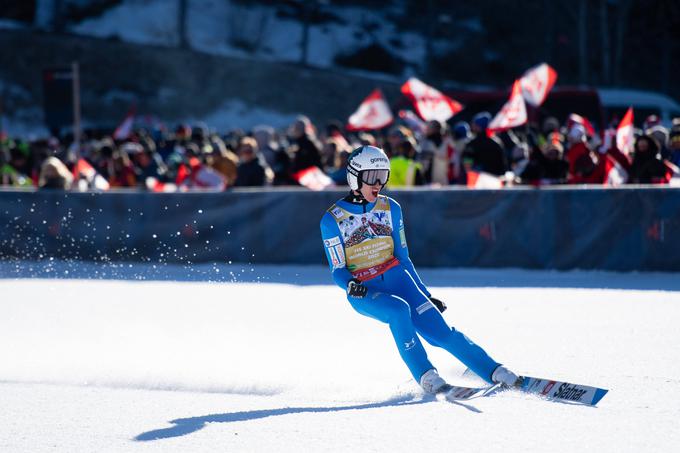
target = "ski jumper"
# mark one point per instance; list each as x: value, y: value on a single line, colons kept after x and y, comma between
x: 366, y: 241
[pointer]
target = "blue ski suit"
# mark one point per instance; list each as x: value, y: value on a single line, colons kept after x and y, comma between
x: 366, y: 241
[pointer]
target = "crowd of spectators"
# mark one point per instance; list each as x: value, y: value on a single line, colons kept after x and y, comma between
x: 435, y: 154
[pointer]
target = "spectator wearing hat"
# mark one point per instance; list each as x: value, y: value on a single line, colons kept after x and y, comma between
x: 395, y: 136
x: 585, y: 165
x: 147, y: 163
x: 648, y: 166
x: 251, y: 171
x: 275, y: 155
x: 660, y: 134
x: 304, y: 146
x: 223, y: 161
x: 547, y: 165
x: 405, y: 171
x: 485, y: 152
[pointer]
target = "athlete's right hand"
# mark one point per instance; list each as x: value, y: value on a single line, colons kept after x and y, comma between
x: 356, y: 289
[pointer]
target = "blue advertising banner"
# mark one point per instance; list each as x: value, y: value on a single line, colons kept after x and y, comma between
x: 631, y: 229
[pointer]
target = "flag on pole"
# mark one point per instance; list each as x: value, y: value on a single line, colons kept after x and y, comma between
x: 124, y: 130
x: 537, y: 83
x: 624, y: 133
x: 430, y: 103
x: 373, y: 113
x: 513, y: 113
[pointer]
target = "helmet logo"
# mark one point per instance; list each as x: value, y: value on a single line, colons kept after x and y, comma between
x: 380, y: 159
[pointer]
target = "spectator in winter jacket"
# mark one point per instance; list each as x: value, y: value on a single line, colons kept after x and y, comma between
x: 251, y: 170
x: 55, y: 175
x: 147, y: 163
x: 437, y: 154
x: 304, y: 147
x: 484, y: 151
x: 339, y: 171
x: 461, y: 136
x: 123, y: 170
x: 405, y: 171
x: 647, y: 166
x: 548, y: 166
x: 674, y: 146
x: 223, y: 161
x: 585, y: 165
x: 275, y: 155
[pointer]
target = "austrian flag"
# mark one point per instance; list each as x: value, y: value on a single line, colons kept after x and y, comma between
x: 430, y: 103
x: 537, y: 83
x: 373, y: 113
x: 513, y: 113
x: 624, y: 133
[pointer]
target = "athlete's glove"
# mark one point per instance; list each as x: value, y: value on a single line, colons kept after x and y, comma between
x: 356, y: 289
x: 441, y: 306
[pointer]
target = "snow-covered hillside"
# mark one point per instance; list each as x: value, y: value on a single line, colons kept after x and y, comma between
x: 229, y: 28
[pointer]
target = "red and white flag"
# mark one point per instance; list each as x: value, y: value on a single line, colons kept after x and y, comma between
x: 373, y: 113
x: 624, y: 133
x: 672, y: 174
x: 615, y: 173
x: 313, y: 178
x: 483, y: 180
x: 154, y: 185
x: 513, y: 113
x: 87, y: 178
x: 575, y: 118
x: 537, y: 83
x: 430, y: 103
x: 124, y: 130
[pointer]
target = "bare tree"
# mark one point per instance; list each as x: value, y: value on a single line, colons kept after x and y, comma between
x: 623, y: 8
x: 606, y: 48
x: 582, y: 26
x: 181, y: 23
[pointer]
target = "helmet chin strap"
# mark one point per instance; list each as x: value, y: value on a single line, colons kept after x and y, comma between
x: 356, y: 197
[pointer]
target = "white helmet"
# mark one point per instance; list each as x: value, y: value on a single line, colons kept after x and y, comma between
x: 369, y: 165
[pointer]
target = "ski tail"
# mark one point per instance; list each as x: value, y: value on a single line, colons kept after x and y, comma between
x: 459, y: 393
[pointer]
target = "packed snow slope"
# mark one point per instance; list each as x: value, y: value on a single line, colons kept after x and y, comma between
x: 285, y: 364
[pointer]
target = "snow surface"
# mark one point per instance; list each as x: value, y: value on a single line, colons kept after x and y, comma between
x: 278, y: 361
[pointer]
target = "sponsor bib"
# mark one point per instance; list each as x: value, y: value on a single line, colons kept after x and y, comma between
x: 367, y: 238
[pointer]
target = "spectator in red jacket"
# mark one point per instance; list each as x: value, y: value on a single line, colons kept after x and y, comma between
x: 585, y: 165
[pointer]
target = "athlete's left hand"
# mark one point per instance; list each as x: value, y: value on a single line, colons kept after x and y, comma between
x: 441, y: 306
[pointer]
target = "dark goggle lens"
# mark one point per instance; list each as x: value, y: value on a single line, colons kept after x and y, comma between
x: 372, y: 177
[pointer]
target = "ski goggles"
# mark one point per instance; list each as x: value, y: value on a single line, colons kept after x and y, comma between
x: 371, y: 177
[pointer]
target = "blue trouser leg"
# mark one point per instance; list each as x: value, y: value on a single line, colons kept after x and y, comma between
x: 396, y: 313
x: 430, y: 324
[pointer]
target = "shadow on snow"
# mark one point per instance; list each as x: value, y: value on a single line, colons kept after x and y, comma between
x: 185, y: 426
